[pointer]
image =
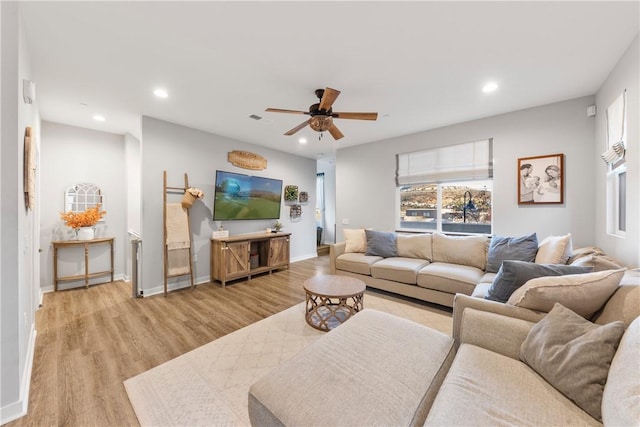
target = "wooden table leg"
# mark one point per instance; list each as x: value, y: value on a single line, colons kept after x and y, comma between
x: 111, y: 242
x: 55, y: 268
x: 86, y: 265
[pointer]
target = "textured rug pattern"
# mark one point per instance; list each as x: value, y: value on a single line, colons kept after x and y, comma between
x: 209, y: 385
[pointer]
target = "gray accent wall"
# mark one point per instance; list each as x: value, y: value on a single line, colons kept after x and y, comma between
x: 365, y: 174
x: 625, y: 75
x: 178, y: 150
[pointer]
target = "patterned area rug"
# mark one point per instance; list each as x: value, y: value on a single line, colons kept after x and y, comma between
x: 209, y: 385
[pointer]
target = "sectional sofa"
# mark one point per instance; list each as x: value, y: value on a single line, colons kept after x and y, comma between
x: 434, y: 267
x: 504, y: 365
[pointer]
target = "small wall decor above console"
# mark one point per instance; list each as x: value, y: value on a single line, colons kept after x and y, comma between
x: 540, y: 179
x: 304, y: 197
x: 247, y: 160
x: 291, y: 193
x: 295, y: 212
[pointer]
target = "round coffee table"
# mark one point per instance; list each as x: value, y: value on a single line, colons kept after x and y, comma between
x: 331, y: 300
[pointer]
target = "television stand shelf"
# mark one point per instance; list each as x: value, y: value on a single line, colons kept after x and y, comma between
x: 245, y: 255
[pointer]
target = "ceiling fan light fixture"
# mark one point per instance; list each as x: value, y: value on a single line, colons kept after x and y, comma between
x: 321, y: 123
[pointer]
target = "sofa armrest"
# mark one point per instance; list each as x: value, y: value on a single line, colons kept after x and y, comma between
x: 495, y: 332
x: 461, y: 302
x: 335, y: 251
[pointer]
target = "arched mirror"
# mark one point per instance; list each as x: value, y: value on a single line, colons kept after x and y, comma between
x: 80, y: 197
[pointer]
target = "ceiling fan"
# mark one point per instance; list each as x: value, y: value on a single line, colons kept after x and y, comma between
x: 322, y: 114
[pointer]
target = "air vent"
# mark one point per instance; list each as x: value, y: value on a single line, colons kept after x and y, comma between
x: 255, y: 117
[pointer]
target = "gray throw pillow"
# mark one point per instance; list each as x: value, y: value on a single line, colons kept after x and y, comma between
x: 573, y: 355
x: 380, y: 243
x: 513, y: 274
x: 522, y: 248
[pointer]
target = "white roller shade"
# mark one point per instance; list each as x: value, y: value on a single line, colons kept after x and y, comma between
x: 461, y: 162
x: 616, y: 130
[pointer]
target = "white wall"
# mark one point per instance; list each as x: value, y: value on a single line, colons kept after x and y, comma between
x: 18, y: 269
x: 365, y: 174
x: 180, y: 150
x: 73, y: 155
x: 625, y: 75
x: 134, y: 194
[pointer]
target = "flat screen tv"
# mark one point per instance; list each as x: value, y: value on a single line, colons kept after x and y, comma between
x: 240, y: 196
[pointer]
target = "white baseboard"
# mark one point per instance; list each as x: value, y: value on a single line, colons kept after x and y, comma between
x: 303, y: 257
x: 18, y: 409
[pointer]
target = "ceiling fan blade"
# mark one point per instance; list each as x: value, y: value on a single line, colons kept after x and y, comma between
x: 356, y: 116
x: 297, y: 128
x: 328, y: 98
x: 279, y: 110
x: 335, y: 132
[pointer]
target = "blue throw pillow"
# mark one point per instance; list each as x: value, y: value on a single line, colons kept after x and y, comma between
x: 517, y: 248
x: 380, y: 243
x: 514, y: 274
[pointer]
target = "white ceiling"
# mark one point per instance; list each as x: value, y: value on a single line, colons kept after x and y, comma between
x: 421, y: 65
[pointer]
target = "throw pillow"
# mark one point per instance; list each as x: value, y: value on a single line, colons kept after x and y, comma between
x: 573, y: 355
x: 583, y: 293
x: 462, y: 250
x: 513, y: 274
x: 414, y: 246
x: 598, y: 262
x: 381, y: 243
x: 519, y: 248
x: 356, y: 240
x: 555, y: 250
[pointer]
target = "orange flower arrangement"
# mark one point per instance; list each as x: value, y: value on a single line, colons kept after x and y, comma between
x: 88, y: 218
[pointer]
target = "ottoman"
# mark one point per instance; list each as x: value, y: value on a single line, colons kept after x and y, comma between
x: 375, y: 369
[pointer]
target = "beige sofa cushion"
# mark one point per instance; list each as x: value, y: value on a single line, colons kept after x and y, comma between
x: 356, y: 263
x: 462, y: 250
x: 554, y: 250
x: 573, y: 355
x: 598, y: 262
x: 404, y: 270
x: 621, y: 397
x: 488, y: 389
x: 356, y: 240
x: 624, y: 304
x: 415, y: 246
x: 451, y: 278
x: 582, y: 293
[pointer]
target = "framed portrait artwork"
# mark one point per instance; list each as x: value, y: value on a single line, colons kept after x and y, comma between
x: 541, y: 179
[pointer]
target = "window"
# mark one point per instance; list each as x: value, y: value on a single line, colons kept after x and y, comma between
x: 446, y: 189
x: 614, y: 156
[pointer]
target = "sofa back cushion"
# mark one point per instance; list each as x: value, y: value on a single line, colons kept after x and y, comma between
x: 463, y: 250
x: 624, y: 304
x: 621, y: 397
x: 415, y: 246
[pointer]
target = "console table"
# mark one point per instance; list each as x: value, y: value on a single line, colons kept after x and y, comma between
x: 86, y: 244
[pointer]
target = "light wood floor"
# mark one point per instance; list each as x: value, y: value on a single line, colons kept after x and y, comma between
x: 90, y: 341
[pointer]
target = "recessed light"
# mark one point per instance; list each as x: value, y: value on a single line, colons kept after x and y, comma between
x: 302, y: 140
x: 490, y: 87
x: 99, y: 117
x: 83, y: 104
x: 160, y: 93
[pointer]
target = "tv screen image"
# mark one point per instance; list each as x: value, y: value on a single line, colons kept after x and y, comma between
x: 239, y: 196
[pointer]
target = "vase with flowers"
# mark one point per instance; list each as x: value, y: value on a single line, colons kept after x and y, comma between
x: 191, y: 194
x: 277, y: 226
x: 83, y: 222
